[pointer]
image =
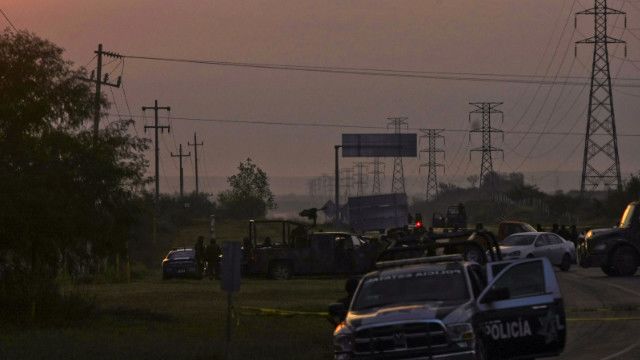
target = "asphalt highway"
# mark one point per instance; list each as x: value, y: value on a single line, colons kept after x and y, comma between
x: 603, y: 315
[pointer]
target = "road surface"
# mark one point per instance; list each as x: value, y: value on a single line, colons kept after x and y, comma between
x: 603, y: 315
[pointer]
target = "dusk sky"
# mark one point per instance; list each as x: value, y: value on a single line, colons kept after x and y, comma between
x: 489, y: 36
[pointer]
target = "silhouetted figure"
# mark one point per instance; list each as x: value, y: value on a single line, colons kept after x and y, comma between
x: 246, y: 244
x: 350, y: 287
x: 539, y: 228
x: 554, y: 228
x: 267, y: 242
x: 564, y: 232
x: 574, y: 235
x: 199, y: 248
x: 213, y: 257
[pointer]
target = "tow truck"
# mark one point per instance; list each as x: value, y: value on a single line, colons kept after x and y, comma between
x: 444, y: 307
x: 616, y: 251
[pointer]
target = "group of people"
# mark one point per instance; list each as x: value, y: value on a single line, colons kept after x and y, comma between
x: 208, y: 257
x: 570, y: 234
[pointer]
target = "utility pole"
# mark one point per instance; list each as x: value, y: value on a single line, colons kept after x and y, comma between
x: 397, y: 182
x: 180, y: 155
x: 378, y: 174
x: 601, y: 163
x: 156, y: 127
x: 432, y: 164
x: 336, y: 186
x: 485, y: 110
x: 361, y: 180
x: 195, y: 155
x: 99, y: 81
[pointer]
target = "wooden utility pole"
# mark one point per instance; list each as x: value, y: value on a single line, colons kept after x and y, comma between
x: 195, y: 155
x: 100, y: 80
x: 156, y: 127
x: 180, y: 155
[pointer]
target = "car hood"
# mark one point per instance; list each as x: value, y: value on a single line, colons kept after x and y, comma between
x: 401, y: 313
x: 605, y: 233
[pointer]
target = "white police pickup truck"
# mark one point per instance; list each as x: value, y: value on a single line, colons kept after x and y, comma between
x: 447, y: 308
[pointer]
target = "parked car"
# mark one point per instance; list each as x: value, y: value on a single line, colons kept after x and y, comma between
x: 181, y: 263
x: 507, y: 228
x: 559, y: 251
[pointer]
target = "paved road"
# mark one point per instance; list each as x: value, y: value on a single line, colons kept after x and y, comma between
x: 603, y: 315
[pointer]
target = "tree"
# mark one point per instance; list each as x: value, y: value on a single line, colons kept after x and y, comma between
x: 61, y: 188
x: 473, y: 180
x: 250, y: 195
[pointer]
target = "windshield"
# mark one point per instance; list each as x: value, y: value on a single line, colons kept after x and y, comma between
x: 519, y: 240
x: 182, y: 254
x: 625, y: 221
x: 434, y: 284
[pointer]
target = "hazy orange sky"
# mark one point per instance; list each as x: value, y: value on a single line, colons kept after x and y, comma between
x: 497, y: 36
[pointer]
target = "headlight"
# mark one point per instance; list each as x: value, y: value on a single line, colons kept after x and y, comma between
x: 460, y: 332
x: 588, y: 235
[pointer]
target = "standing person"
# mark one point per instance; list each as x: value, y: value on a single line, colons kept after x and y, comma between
x: 554, y: 228
x: 199, y: 248
x: 213, y: 258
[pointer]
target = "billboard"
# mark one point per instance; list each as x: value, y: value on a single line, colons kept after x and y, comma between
x: 379, y: 145
x: 378, y: 212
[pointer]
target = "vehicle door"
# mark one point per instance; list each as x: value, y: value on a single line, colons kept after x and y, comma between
x: 556, y: 248
x: 540, y: 246
x: 344, y: 258
x: 521, y: 313
x: 302, y: 254
x: 322, y: 253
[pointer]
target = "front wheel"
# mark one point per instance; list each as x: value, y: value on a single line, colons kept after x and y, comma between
x: 565, y: 265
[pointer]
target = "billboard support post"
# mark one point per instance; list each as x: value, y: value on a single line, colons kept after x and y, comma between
x: 337, y: 185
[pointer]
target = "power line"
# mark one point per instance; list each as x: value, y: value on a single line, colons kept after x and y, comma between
x: 567, y: 80
x: 8, y: 20
x: 355, y: 126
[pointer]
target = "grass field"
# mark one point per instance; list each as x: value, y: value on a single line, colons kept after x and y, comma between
x: 185, y: 319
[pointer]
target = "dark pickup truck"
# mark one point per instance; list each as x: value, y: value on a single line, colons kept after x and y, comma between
x: 281, y: 249
x: 616, y: 251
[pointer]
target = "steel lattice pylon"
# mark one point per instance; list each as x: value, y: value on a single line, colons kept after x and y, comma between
x: 432, y: 164
x: 397, y: 180
x: 485, y: 110
x: 377, y: 173
x: 360, y: 169
x: 601, y: 163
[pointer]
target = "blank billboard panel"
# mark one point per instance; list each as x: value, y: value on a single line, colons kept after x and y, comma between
x: 379, y: 145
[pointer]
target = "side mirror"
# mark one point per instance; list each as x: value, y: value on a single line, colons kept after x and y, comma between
x: 337, y: 313
x: 496, y: 294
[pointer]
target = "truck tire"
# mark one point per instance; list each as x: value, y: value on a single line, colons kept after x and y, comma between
x: 280, y: 270
x: 624, y: 260
x: 608, y: 270
x: 565, y: 265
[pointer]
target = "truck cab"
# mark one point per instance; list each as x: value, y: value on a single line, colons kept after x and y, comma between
x: 616, y: 250
x: 448, y: 308
x: 281, y: 249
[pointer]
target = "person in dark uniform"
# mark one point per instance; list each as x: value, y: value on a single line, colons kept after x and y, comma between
x: 574, y: 235
x: 199, y: 248
x: 554, y: 228
x: 213, y: 258
x: 539, y: 228
x: 564, y: 232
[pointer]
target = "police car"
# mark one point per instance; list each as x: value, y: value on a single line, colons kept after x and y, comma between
x: 447, y: 308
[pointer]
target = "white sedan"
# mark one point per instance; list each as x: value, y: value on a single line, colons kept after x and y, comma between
x: 559, y: 251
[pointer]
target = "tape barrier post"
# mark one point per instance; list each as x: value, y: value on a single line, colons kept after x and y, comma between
x: 230, y: 282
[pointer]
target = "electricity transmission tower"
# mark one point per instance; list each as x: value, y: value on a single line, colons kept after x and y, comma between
x: 195, y: 153
x: 361, y: 177
x: 157, y: 127
x: 180, y: 155
x: 485, y: 110
x: 397, y: 181
x: 432, y: 164
x: 377, y: 174
x: 601, y: 163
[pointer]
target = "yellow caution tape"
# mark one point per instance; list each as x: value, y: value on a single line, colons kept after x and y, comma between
x: 280, y: 312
